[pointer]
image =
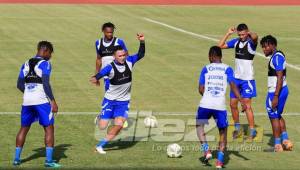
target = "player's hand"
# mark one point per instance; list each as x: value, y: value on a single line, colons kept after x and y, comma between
x: 274, y: 102
x: 140, y: 36
x: 93, y: 80
x: 231, y: 30
x: 98, y: 83
x: 54, y: 107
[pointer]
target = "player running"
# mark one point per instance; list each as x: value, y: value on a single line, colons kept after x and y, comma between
x: 116, y: 100
x: 277, y: 92
x: 212, y: 86
x: 245, y: 47
x: 105, y: 48
x: 38, y: 101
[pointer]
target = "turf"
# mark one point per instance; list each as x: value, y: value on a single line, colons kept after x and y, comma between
x: 75, y: 150
x: 164, y: 81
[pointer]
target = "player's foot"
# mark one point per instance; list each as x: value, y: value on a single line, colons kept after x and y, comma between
x: 252, y: 135
x: 287, y: 145
x: 17, y: 162
x: 208, y: 155
x: 278, y: 148
x: 51, y: 164
x: 236, y: 134
x: 100, y: 150
x: 219, y: 164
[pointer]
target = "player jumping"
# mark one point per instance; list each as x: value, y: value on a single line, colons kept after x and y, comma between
x: 212, y: 86
x: 38, y: 101
x: 245, y: 47
x: 277, y: 92
x: 116, y: 100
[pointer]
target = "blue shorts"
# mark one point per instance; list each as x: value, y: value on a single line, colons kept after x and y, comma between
x: 276, y: 113
x: 247, y: 88
x: 220, y: 116
x: 112, y: 109
x: 41, y: 113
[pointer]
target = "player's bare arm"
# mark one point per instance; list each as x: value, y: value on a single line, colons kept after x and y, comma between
x: 222, y: 44
x: 201, y: 89
x: 253, y: 36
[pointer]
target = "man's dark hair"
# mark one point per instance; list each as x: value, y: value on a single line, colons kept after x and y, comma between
x: 215, y: 51
x: 108, y: 25
x: 45, y: 45
x: 241, y: 27
x: 118, y: 48
x: 269, y: 39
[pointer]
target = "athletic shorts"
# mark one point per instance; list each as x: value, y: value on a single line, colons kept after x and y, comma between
x: 247, y: 88
x: 41, y: 113
x: 276, y: 113
x: 220, y: 116
x: 112, y: 109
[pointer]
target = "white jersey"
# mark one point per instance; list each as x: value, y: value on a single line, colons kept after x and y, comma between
x: 277, y: 63
x: 214, y: 77
x: 34, y: 93
x: 244, y: 54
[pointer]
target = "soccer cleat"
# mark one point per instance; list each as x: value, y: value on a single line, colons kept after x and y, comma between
x: 17, y: 162
x: 278, y: 148
x: 287, y: 145
x: 52, y: 164
x: 236, y: 134
x: 125, y: 124
x: 219, y: 164
x: 100, y: 150
x: 253, y: 135
x: 207, y: 155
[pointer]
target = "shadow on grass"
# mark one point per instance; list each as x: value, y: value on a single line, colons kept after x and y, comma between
x: 58, y: 154
x: 226, y: 158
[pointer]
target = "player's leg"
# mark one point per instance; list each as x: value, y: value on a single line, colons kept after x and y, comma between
x: 222, y: 123
x: 120, y: 114
x: 222, y: 147
x: 287, y: 144
x: 202, y: 117
x: 27, y: 118
x: 250, y: 117
x: 235, y: 116
x: 248, y: 91
x: 274, y: 119
x: 46, y: 119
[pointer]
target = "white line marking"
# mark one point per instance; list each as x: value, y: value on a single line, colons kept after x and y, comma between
x: 206, y: 37
x: 154, y: 113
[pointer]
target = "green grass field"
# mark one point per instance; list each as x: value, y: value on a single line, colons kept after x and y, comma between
x: 164, y: 81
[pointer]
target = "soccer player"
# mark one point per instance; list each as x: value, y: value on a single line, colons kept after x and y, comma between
x: 277, y: 92
x: 212, y: 86
x: 38, y: 101
x: 105, y: 48
x: 116, y: 100
x: 245, y: 47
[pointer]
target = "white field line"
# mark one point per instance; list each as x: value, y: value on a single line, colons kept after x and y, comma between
x: 154, y: 113
x: 206, y: 37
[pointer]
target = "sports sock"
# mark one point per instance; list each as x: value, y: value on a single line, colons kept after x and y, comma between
x: 284, y: 136
x: 220, y: 156
x: 237, y: 126
x: 204, y: 147
x: 277, y: 141
x: 102, y: 143
x: 253, y: 132
x: 49, y: 153
x: 18, y: 152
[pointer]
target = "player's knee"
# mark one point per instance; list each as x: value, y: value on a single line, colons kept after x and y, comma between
x: 233, y: 105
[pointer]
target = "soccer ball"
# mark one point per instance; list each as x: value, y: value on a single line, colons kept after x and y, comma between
x: 150, y: 121
x: 174, y: 150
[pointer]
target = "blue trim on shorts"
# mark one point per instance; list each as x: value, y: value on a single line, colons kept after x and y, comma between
x: 112, y: 109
